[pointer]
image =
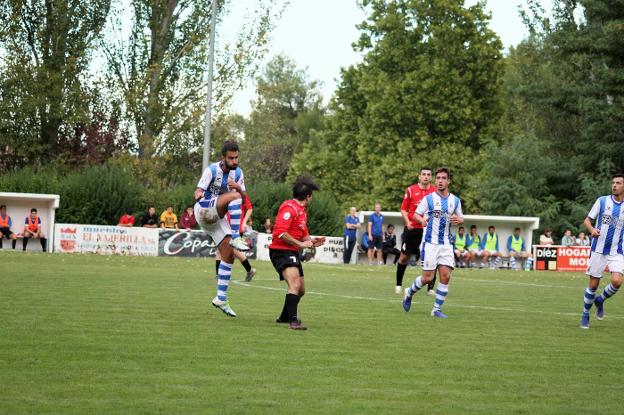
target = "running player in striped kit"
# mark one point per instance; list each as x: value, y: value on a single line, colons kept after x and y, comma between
x: 221, y: 190
x: 436, y: 213
x: 605, y: 222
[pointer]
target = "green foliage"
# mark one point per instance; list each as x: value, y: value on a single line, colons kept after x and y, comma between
x: 156, y: 68
x: 324, y: 215
x: 288, y: 107
x: 427, y: 93
x: 31, y: 180
x: 97, y: 195
x: 46, y: 49
x: 564, y: 94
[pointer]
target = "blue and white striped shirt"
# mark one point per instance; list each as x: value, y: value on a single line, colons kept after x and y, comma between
x: 214, y: 182
x: 609, y: 216
x: 439, y: 211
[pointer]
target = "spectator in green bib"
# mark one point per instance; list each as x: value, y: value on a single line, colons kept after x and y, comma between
x: 489, y: 245
x: 517, y: 250
x: 473, y: 241
x: 460, y: 248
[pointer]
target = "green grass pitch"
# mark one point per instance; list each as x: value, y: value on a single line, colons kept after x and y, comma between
x: 108, y: 335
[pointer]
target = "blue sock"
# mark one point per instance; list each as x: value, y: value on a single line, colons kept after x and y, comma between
x: 234, y: 209
x: 588, y: 300
x: 441, y: 293
x: 417, y: 285
x: 223, y: 280
x: 608, y: 292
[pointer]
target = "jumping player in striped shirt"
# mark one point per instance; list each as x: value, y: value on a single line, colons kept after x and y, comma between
x: 605, y: 222
x: 436, y: 212
x: 221, y: 190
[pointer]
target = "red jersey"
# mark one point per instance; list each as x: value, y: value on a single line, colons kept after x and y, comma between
x: 413, y: 195
x: 126, y: 219
x: 291, y: 218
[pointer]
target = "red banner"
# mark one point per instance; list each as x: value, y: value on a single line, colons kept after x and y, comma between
x: 561, y: 258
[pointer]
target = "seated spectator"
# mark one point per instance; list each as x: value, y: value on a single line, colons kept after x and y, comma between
x: 460, y: 248
x: 389, y: 245
x: 127, y: 219
x: 267, y: 226
x: 33, y: 230
x: 474, y: 248
x: 489, y: 246
x: 187, y: 219
x: 582, y: 240
x: 568, y: 239
x: 517, y: 250
x: 168, y: 219
x: 364, y: 243
x: 150, y: 219
x: 5, y: 227
x: 546, y: 237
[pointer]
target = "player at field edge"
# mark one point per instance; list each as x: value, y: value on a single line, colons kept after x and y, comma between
x: 221, y: 190
x: 290, y: 234
x: 605, y: 223
x: 413, y: 230
x: 436, y: 212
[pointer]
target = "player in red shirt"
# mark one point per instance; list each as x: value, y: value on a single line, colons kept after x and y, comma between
x: 413, y: 231
x: 290, y: 234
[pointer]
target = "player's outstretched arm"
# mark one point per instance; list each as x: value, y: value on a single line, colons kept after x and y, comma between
x: 588, y: 222
x: 305, y: 243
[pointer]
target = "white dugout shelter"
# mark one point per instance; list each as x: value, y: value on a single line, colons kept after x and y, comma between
x: 18, y: 208
x: 504, y: 226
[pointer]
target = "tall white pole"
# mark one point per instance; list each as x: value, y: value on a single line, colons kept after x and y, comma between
x: 208, y: 117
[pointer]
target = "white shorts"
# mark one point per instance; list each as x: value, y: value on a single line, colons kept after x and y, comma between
x: 433, y: 255
x: 598, y: 263
x: 477, y: 252
x: 219, y: 230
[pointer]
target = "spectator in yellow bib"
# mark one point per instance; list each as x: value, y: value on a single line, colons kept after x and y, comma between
x: 517, y: 250
x: 489, y: 245
x: 32, y: 229
x: 460, y: 248
x: 168, y: 219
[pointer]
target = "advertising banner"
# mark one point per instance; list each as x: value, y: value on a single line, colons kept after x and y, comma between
x: 561, y: 258
x: 572, y: 258
x: 190, y: 244
x: 329, y: 253
x: 105, y: 240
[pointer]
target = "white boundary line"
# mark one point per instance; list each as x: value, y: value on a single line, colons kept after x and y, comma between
x: 453, y: 305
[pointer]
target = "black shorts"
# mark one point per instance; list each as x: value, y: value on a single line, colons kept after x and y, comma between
x: 5, y: 233
x: 282, y: 259
x: 376, y: 243
x: 411, y: 241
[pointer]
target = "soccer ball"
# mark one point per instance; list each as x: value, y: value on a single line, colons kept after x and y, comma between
x: 207, y: 216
